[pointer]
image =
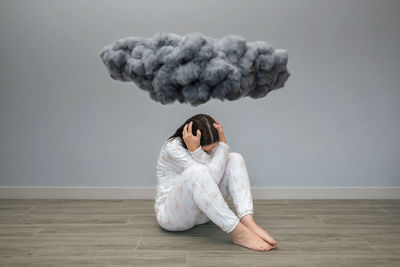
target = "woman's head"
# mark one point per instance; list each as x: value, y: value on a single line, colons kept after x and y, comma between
x: 209, y: 134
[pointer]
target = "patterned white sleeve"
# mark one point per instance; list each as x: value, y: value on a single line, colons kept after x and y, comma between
x: 182, y: 158
x: 200, y: 155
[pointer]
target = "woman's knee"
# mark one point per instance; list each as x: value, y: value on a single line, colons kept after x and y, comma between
x: 235, y: 156
x: 235, y: 160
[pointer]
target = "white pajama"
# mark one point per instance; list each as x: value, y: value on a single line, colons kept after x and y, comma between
x: 192, y: 187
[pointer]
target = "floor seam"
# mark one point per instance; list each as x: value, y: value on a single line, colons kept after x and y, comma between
x: 137, y: 245
x: 368, y: 243
x: 385, y: 211
x: 28, y: 210
x: 319, y: 217
x: 39, y: 231
x: 129, y: 219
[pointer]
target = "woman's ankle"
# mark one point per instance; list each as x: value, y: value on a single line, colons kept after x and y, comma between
x: 238, y: 230
x: 247, y: 218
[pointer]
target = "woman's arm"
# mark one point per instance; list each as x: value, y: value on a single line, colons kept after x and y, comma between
x: 200, y: 155
x: 182, y: 158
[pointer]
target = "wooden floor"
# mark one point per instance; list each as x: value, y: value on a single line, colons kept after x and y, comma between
x: 53, y: 232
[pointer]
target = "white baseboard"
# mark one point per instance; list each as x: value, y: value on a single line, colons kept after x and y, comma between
x: 296, y: 192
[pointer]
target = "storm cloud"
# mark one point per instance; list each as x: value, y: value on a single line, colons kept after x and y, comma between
x: 194, y: 68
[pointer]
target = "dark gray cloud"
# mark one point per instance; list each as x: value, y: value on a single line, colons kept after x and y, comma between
x: 194, y: 68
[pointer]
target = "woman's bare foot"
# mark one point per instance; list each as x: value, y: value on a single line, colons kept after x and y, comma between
x: 243, y: 236
x: 249, y: 222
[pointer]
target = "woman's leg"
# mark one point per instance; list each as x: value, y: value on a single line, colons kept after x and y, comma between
x: 236, y: 183
x: 195, y: 192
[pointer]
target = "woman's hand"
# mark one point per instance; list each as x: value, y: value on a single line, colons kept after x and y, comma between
x: 220, y: 130
x: 192, y: 141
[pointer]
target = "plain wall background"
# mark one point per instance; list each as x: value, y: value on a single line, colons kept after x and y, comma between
x: 65, y: 122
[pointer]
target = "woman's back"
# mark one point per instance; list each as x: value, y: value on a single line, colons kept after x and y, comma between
x: 165, y: 174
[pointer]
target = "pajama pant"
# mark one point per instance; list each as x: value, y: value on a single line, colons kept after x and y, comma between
x: 196, y: 198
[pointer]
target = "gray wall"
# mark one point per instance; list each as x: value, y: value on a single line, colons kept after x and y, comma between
x: 65, y: 122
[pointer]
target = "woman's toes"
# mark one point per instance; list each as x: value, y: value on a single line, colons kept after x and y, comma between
x: 263, y: 234
x: 271, y: 240
x: 267, y: 246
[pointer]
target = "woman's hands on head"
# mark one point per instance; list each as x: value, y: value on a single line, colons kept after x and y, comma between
x: 192, y: 141
x: 217, y: 125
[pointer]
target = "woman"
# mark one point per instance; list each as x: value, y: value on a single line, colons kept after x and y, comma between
x: 195, y: 175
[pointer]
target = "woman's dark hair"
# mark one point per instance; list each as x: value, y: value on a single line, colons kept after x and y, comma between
x: 203, y: 122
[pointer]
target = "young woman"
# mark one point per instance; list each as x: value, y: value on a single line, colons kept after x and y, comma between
x: 196, y: 172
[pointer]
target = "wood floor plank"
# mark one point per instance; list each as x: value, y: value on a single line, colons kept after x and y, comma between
x: 139, y: 210
x: 68, y: 245
x: 318, y: 211
x: 61, y: 218
x: 290, y: 258
x: 384, y: 243
x: 138, y: 258
x: 19, y: 230
x: 134, y: 230
x: 196, y: 243
x: 65, y: 202
x: 361, y: 219
x: 391, y: 210
x: 343, y: 203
